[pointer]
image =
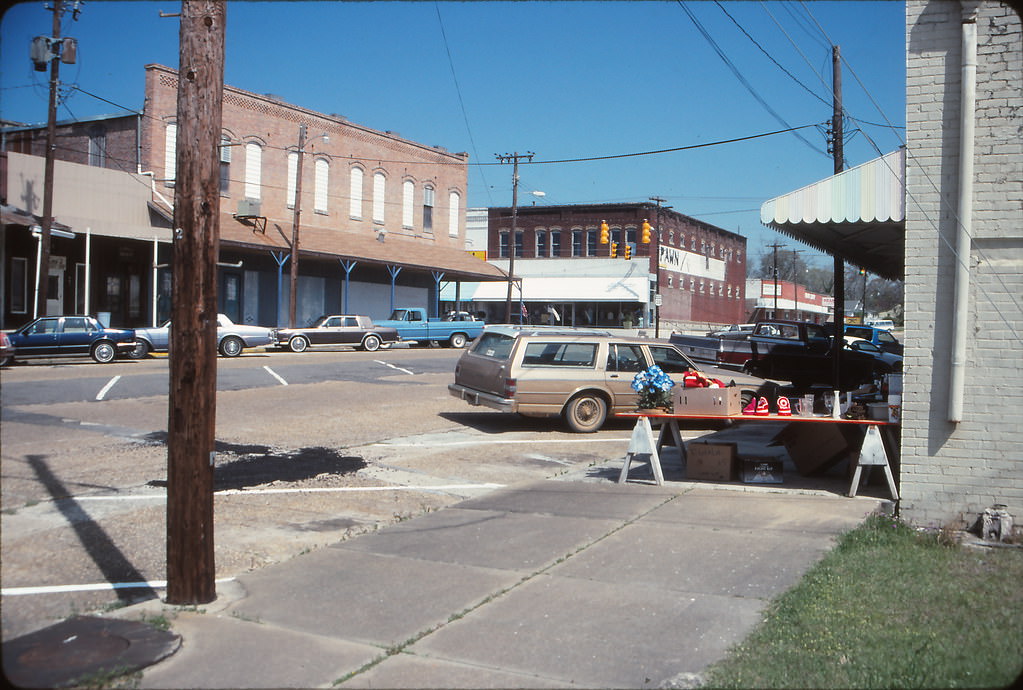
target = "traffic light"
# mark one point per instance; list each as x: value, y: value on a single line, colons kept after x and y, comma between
x: 614, y: 249
x: 628, y: 250
x: 645, y: 238
x: 604, y: 232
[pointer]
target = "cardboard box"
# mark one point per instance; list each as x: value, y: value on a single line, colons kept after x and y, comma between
x: 710, y: 401
x: 762, y: 470
x: 817, y: 446
x: 714, y: 461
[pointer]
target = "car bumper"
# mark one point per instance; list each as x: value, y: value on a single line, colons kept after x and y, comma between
x: 479, y: 398
x: 126, y: 347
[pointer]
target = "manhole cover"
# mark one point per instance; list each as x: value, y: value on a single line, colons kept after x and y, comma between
x: 83, y: 647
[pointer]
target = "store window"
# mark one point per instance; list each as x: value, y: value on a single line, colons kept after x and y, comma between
x: 428, y: 208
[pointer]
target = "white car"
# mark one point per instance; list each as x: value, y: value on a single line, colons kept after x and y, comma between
x: 232, y: 338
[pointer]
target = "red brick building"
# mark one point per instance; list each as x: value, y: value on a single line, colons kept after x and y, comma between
x: 701, y: 275
x: 382, y: 217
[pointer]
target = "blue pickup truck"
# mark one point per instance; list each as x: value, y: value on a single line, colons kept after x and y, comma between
x: 413, y: 324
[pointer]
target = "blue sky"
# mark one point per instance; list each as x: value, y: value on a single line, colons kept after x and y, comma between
x: 564, y: 80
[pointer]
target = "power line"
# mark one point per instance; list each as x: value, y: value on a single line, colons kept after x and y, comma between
x: 738, y: 75
x: 769, y: 56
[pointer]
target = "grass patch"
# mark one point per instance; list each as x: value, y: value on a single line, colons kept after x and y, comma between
x: 889, y: 607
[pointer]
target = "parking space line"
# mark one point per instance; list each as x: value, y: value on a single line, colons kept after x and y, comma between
x: 487, y: 441
x: 106, y: 389
x: 388, y: 364
x: 275, y: 375
x: 99, y: 586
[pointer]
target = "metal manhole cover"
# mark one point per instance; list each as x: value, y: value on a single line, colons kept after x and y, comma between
x: 83, y: 647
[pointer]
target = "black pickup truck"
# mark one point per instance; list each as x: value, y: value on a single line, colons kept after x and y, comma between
x: 780, y: 350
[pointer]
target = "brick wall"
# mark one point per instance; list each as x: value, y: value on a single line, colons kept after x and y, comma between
x: 951, y: 471
x: 274, y: 126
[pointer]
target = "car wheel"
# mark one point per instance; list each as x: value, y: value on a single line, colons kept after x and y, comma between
x: 585, y: 413
x: 231, y: 346
x: 104, y: 352
x: 457, y: 340
x: 298, y: 343
x: 371, y: 343
x: 4, y: 361
x: 141, y: 350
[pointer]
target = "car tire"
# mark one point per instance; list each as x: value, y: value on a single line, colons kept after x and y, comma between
x: 298, y: 344
x: 585, y: 413
x: 457, y: 340
x: 371, y: 343
x: 4, y: 361
x: 141, y: 351
x: 104, y: 352
x: 231, y: 346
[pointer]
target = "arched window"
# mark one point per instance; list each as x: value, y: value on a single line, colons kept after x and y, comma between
x: 292, y: 178
x: 170, y: 148
x: 253, y: 170
x: 322, y: 177
x: 454, y: 206
x: 408, y: 192
x: 379, y: 190
x: 355, y: 194
x: 428, y: 202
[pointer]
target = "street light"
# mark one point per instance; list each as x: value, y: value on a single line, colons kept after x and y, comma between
x: 292, y: 298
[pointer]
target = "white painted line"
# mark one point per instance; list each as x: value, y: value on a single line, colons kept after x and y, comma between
x: 275, y: 375
x: 489, y: 442
x: 388, y: 364
x: 106, y: 389
x: 98, y: 587
x: 332, y: 489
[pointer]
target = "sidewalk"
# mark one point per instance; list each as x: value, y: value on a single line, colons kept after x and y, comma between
x: 555, y: 583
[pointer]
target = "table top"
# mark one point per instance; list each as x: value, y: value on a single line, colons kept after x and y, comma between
x: 755, y: 418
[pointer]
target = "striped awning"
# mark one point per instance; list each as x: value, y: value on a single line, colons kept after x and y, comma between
x: 858, y: 214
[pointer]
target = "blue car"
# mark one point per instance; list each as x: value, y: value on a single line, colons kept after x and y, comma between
x: 71, y: 336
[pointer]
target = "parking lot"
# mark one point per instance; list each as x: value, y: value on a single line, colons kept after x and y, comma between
x: 311, y: 448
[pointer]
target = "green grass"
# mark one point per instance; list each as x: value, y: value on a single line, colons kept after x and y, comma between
x: 889, y: 607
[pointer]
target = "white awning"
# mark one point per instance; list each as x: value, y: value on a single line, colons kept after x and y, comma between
x: 858, y: 214
x: 563, y: 289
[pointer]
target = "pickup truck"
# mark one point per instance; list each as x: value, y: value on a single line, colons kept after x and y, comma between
x: 413, y: 324
x: 781, y: 350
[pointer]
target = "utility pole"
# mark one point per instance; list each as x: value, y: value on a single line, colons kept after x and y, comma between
x: 512, y: 243
x: 293, y: 297
x: 795, y: 281
x: 657, y: 269
x: 775, y: 246
x: 193, y: 354
x: 838, y: 155
x: 43, y: 280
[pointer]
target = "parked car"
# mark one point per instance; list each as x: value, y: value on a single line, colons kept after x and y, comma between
x: 890, y: 359
x: 413, y: 325
x: 883, y: 324
x: 733, y: 330
x: 880, y: 337
x: 6, y: 350
x: 232, y: 338
x: 581, y: 375
x: 71, y: 336
x: 349, y: 330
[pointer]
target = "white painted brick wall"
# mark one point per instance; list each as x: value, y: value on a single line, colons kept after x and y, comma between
x: 951, y: 472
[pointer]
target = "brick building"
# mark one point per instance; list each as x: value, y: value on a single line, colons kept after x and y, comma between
x: 382, y: 217
x: 567, y: 271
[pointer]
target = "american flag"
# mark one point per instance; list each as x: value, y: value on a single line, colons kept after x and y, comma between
x: 525, y: 312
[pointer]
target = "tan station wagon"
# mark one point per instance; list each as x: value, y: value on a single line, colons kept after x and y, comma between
x: 582, y: 375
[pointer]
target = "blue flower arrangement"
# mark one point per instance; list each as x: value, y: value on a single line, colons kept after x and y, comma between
x: 654, y: 388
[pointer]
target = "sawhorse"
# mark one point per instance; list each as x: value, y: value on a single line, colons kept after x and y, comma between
x: 642, y: 443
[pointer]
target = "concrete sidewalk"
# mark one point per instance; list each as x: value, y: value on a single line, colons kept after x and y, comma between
x: 556, y: 583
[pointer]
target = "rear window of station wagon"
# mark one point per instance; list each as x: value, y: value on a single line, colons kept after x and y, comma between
x: 494, y: 345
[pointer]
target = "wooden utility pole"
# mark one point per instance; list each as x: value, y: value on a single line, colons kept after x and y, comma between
x: 774, y: 271
x: 838, y: 155
x: 43, y: 279
x: 512, y: 243
x: 293, y: 298
x: 191, y: 420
